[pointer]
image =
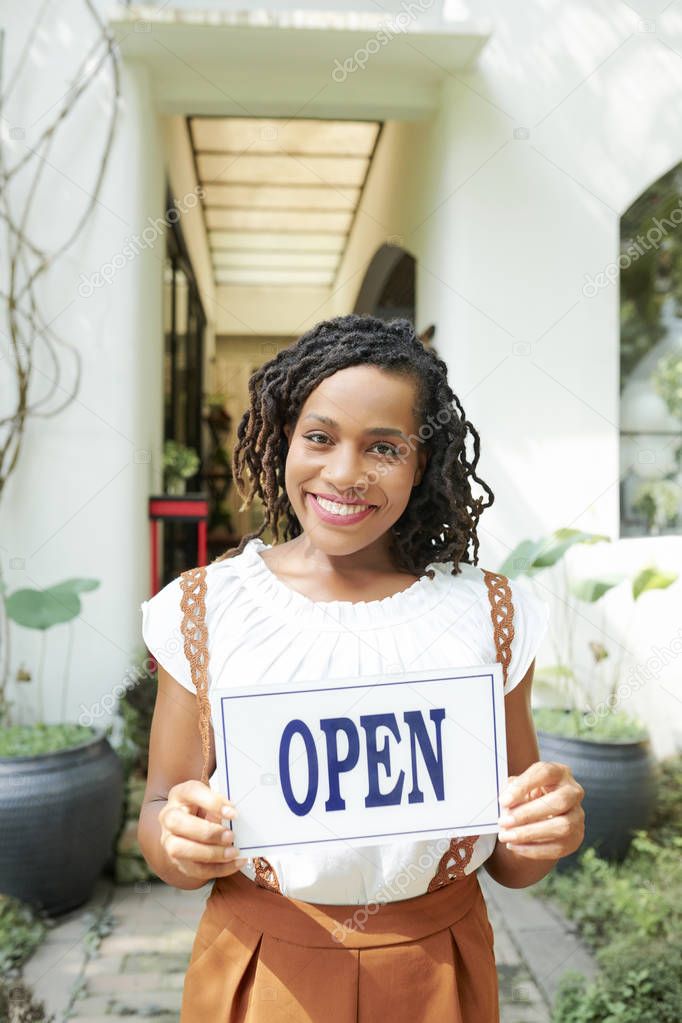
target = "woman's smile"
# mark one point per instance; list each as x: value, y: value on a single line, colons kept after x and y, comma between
x: 341, y: 512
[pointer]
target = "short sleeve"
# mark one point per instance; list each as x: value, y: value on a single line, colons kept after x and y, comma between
x: 161, y: 621
x: 531, y: 621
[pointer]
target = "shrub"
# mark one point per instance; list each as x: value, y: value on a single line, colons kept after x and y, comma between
x: 638, y: 984
x: 21, y: 931
x: 629, y: 913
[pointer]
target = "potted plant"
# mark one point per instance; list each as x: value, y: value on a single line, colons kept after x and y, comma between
x: 179, y: 464
x: 216, y: 411
x: 61, y: 785
x: 585, y: 726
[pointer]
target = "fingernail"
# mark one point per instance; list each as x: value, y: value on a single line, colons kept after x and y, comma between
x: 242, y: 861
x: 229, y: 853
x: 226, y: 823
x: 228, y: 811
x: 506, y: 819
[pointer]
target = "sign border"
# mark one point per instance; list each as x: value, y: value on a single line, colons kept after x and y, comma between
x: 428, y: 832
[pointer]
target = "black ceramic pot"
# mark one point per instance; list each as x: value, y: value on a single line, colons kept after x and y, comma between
x: 619, y: 779
x: 59, y: 815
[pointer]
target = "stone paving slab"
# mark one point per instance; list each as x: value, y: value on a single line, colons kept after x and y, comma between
x: 139, y: 968
x: 545, y: 939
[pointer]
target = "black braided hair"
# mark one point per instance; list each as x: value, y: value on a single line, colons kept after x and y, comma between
x: 441, y: 517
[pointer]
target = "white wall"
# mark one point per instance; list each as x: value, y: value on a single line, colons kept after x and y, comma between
x: 77, y: 504
x: 508, y: 199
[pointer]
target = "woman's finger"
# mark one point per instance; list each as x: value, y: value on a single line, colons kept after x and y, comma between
x: 179, y: 822
x: 558, y: 801
x: 543, y: 773
x: 178, y: 848
x: 557, y: 828
x: 194, y: 795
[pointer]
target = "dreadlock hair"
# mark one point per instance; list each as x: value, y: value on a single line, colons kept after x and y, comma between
x: 441, y: 518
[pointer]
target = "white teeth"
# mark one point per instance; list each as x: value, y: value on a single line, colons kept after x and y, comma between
x: 340, y: 509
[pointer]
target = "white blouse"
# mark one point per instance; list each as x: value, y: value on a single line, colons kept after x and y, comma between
x: 262, y: 631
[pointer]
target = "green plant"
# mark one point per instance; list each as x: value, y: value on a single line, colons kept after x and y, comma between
x: 179, y: 461
x: 640, y: 897
x: 638, y: 984
x: 21, y: 931
x: 136, y: 709
x: 42, y: 610
x: 216, y: 399
x: 667, y: 381
x: 630, y: 914
x: 29, y: 740
x: 658, y: 501
x: 666, y: 822
x: 574, y: 724
x: 563, y: 680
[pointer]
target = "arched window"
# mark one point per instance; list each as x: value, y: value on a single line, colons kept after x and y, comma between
x: 388, y: 289
x: 651, y: 360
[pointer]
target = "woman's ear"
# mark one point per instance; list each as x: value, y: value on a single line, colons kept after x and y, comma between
x: 287, y: 432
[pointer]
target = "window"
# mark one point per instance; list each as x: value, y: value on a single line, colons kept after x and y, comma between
x: 651, y: 361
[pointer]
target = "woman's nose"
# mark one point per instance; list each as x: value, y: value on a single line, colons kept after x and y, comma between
x: 344, y: 469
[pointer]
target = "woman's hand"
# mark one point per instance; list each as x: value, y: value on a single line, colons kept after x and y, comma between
x: 200, y: 846
x: 542, y: 817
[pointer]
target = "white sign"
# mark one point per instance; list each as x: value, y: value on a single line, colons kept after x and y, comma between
x: 362, y: 761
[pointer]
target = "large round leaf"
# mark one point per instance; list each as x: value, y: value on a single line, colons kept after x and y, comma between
x: 41, y: 609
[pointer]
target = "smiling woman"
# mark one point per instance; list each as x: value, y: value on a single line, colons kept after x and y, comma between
x: 357, y: 447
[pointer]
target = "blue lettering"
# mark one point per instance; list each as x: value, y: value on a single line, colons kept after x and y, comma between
x: 298, y: 727
x: 433, y: 761
x: 375, y: 756
x: 331, y: 728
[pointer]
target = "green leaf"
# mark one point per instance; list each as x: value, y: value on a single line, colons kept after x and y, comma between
x: 530, y: 556
x: 651, y: 578
x: 592, y: 590
x: 41, y: 609
x: 521, y: 559
x: 564, y: 539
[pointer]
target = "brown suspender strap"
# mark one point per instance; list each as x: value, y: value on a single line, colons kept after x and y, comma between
x: 195, y: 636
x: 502, y: 614
x: 458, y: 856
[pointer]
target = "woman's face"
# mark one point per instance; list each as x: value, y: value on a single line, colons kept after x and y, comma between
x: 354, y: 456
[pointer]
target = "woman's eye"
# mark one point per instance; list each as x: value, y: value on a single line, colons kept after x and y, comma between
x: 391, y: 451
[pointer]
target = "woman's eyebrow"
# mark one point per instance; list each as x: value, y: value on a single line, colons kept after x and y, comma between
x: 382, y: 430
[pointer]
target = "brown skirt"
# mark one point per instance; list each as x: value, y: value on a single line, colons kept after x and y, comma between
x: 261, y: 957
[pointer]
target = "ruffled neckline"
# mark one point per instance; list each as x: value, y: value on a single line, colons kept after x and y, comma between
x: 265, y: 588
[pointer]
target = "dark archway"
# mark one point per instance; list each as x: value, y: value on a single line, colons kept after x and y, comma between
x: 388, y: 290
